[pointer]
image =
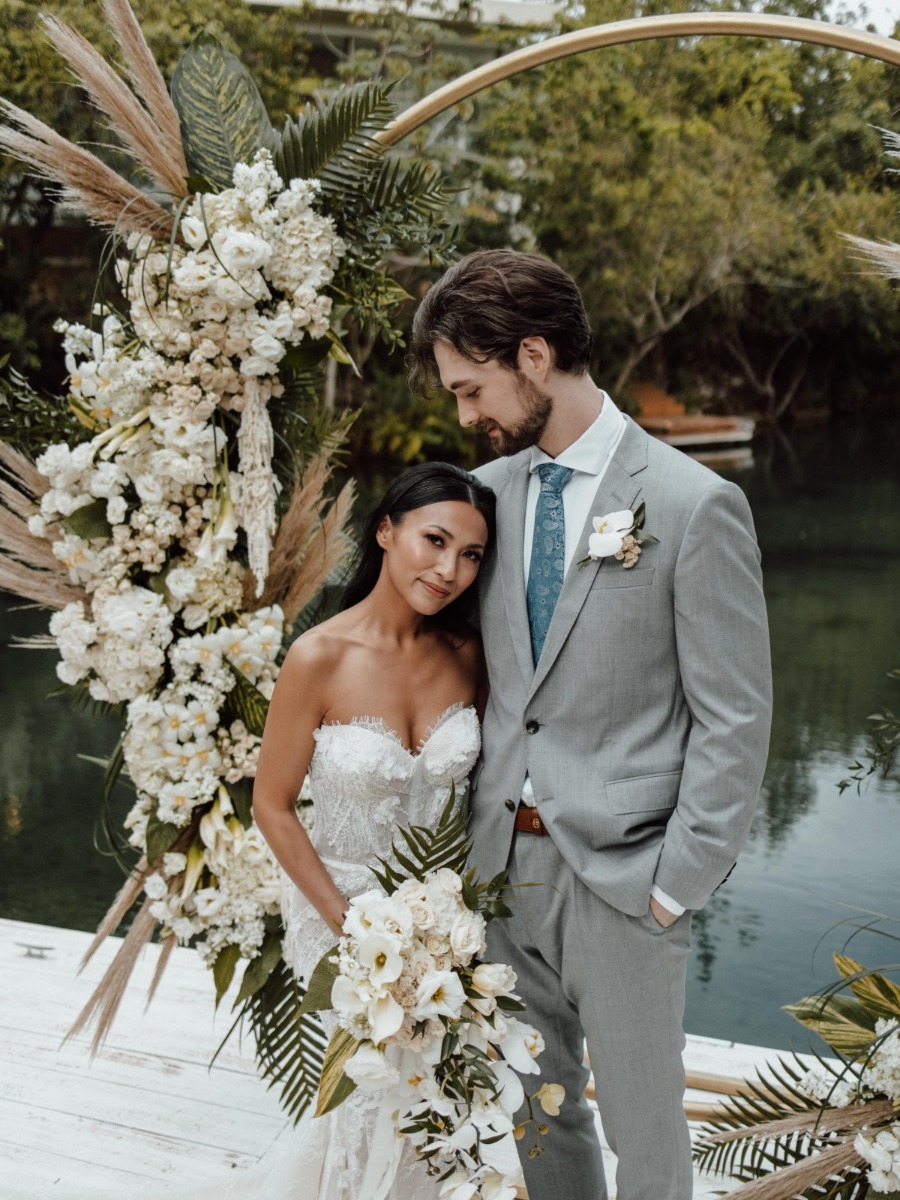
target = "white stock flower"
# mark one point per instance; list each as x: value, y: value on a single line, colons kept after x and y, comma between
x: 609, y: 533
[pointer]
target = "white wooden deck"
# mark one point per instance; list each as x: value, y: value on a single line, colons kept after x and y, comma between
x: 148, y: 1110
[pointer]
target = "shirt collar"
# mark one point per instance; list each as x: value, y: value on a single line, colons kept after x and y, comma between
x: 591, y: 451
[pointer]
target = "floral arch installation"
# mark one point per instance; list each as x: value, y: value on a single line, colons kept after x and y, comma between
x: 640, y: 29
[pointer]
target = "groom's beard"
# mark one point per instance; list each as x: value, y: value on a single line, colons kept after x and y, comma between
x: 537, y: 408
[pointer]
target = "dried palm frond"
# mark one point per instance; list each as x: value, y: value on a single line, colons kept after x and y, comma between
x: 162, y: 962
x: 28, y: 566
x: 102, y: 194
x: 326, y: 551
x: 818, y: 1123
x: 144, y: 73
x: 107, y: 995
x: 115, y: 914
x: 300, y: 537
x: 883, y: 256
x: 835, y: 1166
x: 136, y: 128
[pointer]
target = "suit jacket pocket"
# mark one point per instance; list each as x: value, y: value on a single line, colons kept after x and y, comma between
x: 614, y: 575
x: 643, y: 793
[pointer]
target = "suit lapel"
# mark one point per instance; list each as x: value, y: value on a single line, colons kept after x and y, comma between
x: 511, y: 559
x: 618, y: 489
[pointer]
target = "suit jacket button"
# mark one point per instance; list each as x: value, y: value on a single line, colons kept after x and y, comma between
x: 510, y: 804
x: 532, y: 726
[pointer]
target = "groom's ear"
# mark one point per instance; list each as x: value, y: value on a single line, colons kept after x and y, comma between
x: 535, y: 357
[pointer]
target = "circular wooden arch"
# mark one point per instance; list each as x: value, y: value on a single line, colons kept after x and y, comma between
x: 640, y: 29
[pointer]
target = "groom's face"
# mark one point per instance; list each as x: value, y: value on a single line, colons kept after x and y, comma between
x: 495, y: 400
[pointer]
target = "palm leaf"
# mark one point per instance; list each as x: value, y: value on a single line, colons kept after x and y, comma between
x: 223, y: 118
x: 428, y: 849
x: 413, y: 186
x: 290, y: 1046
x: 334, y: 1085
x: 880, y: 995
x: 846, y: 1024
x: 336, y: 144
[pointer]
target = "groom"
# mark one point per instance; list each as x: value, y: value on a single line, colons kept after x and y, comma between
x: 625, y: 736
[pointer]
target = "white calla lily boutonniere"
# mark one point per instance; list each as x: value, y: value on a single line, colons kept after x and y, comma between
x: 618, y: 535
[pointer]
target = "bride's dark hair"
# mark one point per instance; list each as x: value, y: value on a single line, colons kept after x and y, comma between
x: 426, y: 483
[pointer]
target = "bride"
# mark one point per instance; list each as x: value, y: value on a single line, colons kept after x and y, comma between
x: 380, y: 706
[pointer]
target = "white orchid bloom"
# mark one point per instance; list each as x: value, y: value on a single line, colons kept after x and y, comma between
x: 439, y: 995
x: 381, y: 957
x: 498, y: 1187
x: 522, y: 1045
x: 550, y: 1096
x: 511, y: 1094
x: 609, y: 533
x: 458, y: 1187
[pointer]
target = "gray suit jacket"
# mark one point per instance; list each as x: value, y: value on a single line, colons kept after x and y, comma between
x: 651, y: 702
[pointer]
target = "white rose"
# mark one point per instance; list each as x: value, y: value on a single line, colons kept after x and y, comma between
x: 493, y: 979
x: 193, y: 230
x: 181, y: 583
x: 467, y: 936
x: 267, y: 346
x: 242, y: 252
x: 370, y: 1069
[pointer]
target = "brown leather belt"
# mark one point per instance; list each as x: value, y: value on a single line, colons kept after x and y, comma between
x: 528, y: 820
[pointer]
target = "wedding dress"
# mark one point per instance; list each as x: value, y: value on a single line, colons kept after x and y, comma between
x: 365, y: 785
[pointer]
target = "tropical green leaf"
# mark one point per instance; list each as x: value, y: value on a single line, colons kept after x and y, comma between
x: 846, y: 1025
x: 223, y: 118
x: 247, y: 703
x: 335, y: 144
x: 260, y: 968
x: 290, y: 1048
x: 89, y: 521
x: 334, y: 1085
x: 321, y: 981
x: 224, y: 968
x: 160, y: 836
x: 415, y: 186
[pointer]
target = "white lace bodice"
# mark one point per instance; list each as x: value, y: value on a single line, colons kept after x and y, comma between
x: 365, y: 785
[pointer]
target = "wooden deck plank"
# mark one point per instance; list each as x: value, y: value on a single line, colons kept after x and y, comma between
x: 148, y: 1109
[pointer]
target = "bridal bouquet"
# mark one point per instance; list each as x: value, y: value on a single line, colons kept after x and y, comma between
x: 423, y: 1019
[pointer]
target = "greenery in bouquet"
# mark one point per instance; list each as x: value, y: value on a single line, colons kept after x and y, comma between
x: 186, y: 524
x: 425, y: 1021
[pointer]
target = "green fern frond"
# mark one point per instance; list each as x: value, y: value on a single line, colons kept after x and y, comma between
x: 336, y: 144
x: 415, y: 186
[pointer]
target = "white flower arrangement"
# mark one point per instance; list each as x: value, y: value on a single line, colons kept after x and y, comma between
x: 424, y: 1020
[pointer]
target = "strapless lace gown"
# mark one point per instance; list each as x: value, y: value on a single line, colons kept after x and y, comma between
x: 365, y: 784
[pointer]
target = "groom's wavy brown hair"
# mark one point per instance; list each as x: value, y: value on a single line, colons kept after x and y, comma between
x: 488, y: 302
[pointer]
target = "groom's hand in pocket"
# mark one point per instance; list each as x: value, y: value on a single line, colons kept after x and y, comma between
x: 662, y: 915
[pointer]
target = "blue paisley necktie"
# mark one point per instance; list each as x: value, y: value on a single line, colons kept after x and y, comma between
x: 548, y: 551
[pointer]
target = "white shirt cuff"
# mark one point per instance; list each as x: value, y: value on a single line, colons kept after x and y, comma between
x: 667, y: 902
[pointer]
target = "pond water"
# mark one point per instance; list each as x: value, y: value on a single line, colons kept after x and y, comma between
x: 827, y: 506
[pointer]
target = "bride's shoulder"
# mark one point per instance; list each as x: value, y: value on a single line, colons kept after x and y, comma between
x: 319, y: 648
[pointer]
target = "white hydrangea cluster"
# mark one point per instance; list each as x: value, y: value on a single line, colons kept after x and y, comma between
x: 147, y: 514
x: 882, y: 1073
x: 882, y: 1152
x: 838, y: 1091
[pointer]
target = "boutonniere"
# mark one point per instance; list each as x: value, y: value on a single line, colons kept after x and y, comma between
x: 619, y: 535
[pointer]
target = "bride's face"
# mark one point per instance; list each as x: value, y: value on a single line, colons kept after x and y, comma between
x: 432, y: 554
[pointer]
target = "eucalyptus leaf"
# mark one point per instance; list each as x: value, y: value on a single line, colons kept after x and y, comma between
x: 223, y: 118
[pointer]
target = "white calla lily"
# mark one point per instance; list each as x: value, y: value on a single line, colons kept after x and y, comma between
x: 380, y: 955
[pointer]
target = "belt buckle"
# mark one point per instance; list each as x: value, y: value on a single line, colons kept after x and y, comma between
x: 536, y: 823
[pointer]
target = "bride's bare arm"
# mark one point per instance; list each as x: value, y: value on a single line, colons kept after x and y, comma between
x: 295, y: 711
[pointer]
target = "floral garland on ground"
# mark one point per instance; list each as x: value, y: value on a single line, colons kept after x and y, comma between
x: 180, y: 535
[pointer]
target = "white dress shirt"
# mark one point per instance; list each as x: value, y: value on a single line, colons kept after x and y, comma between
x: 589, y: 458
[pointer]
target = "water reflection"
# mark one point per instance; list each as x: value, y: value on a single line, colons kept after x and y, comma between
x: 827, y: 507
